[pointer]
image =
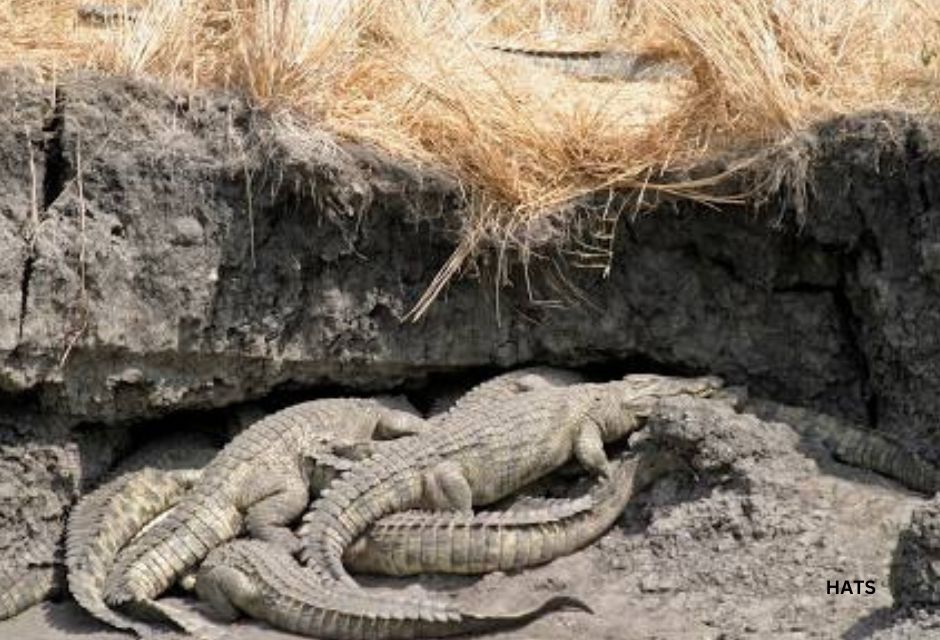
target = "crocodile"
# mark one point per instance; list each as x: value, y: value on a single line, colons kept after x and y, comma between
x: 523, y: 437
x: 142, y: 498
x: 267, y: 583
x: 103, y: 15
x: 108, y: 519
x: 258, y: 482
x: 602, y: 64
x: 852, y: 445
x: 141, y: 487
x: 527, y: 534
x: 505, y: 385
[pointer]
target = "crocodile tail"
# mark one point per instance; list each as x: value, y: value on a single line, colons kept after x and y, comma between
x: 105, y: 521
x: 539, y: 531
x: 345, y: 509
x: 164, y: 552
x: 479, y: 622
x: 856, y: 446
x: 267, y: 583
x: 189, y: 621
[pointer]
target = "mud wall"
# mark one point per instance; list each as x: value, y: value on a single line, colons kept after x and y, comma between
x: 164, y: 251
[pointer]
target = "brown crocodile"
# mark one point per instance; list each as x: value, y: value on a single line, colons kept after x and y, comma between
x: 267, y: 583
x: 258, y: 482
x: 527, y: 534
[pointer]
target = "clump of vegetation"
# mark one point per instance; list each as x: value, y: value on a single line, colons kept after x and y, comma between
x: 417, y: 78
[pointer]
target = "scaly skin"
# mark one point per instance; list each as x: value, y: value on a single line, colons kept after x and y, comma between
x: 266, y: 583
x: 603, y: 64
x: 137, y: 500
x: 416, y: 542
x: 108, y: 519
x: 144, y: 485
x: 500, y: 387
x: 855, y: 446
x: 258, y: 482
x: 523, y: 438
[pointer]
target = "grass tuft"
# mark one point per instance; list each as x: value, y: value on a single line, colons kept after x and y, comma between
x: 415, y: 77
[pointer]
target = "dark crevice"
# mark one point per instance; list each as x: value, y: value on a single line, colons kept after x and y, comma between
x: 56, y: 171
x: 807, y: 288
x: 57, y: 167
x: 851, y: 325
x: 25, y: 279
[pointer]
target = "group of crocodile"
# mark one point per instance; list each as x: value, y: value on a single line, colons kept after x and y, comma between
x: 395, y: 495
x: 447, y: 465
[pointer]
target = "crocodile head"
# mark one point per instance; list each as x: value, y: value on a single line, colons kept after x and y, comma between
x: 622, y: 405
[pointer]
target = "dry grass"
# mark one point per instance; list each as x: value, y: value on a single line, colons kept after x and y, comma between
x: 412, y: 77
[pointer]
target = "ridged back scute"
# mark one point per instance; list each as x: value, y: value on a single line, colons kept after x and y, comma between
x: 104, y: 521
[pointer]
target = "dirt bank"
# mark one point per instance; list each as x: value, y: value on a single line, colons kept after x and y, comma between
x: 163, y: 285
x: 163, y: 255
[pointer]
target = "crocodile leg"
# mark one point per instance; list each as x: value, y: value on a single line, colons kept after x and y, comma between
x: 271, y: 503
x: 446, y: 489
x: 396, y: 424
x: 589, y: 450
x: 228, y: 591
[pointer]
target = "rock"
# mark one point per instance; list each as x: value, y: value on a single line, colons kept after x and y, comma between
x: 44, y: 464
x: 915, y: 565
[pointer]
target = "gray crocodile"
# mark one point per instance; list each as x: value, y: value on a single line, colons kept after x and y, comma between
x: 500, y: 387
x: 522, y: 438
x: 852, y: 445
x: 528, y: 533
x: 140, y: 499
x: 143, y: 486
x: 258, y: 482
x: 267, y: 583
x: 602, y: 64
x: 108, y: 519
x: 488, y: 455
